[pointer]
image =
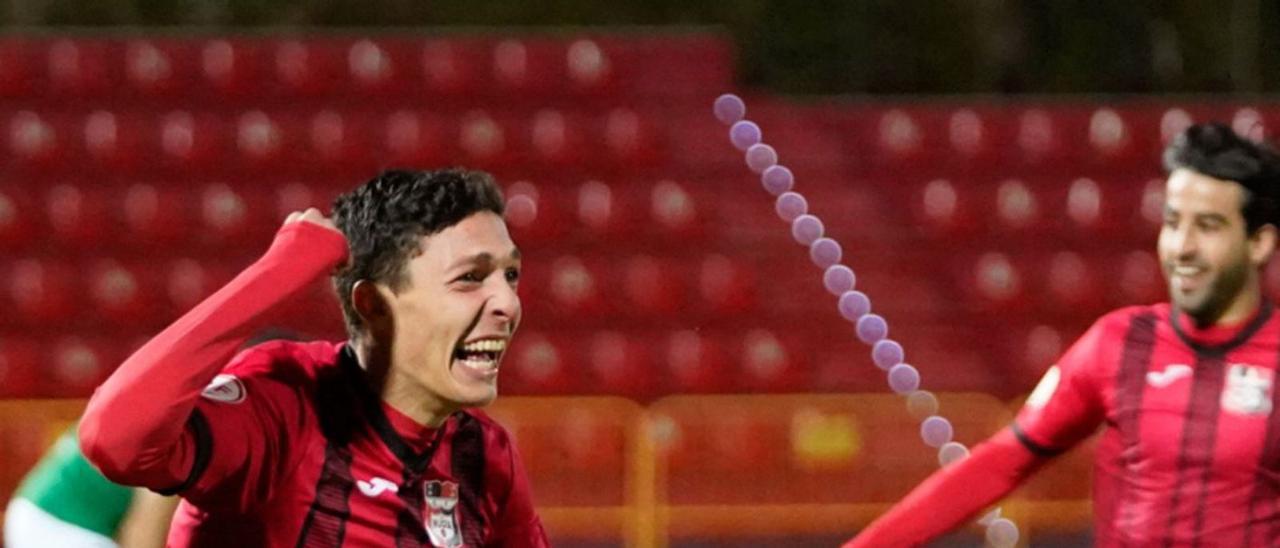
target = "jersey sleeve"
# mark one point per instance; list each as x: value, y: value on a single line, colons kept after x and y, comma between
x: 519, y: 525
x: 1067, y: 405
x: 142, y: 427
x: 245, y: 425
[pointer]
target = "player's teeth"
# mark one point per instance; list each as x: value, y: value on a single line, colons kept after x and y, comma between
x: 487, y: 345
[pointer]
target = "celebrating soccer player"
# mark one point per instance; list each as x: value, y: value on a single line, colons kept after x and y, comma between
x: 1191, y: 450
x: 368, y: 442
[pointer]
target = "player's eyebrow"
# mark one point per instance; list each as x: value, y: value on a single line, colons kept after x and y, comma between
x: 482, y: 258
x: 1216, y: 217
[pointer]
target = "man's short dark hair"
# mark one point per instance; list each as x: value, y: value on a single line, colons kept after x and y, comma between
x: 385, y: 218
x: 1215, y: 150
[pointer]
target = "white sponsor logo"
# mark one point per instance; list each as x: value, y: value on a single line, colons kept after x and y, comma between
x: 376, y: 486
x: 1170, y: 375
x: 442, y: 521
x: 1247, y: 390
x: 1048, y: 384
x: 225, y: 388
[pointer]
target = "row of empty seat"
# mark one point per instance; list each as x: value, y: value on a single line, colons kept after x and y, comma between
x: 528, y: 69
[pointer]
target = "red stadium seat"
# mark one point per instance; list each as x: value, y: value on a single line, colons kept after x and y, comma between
x: 375, y: 67
x: 1041, y: 138
x: 609, y: 211
x: 194, y: 141
x: 541, y: 364
x: 306, y: 67
x: 453, y: 66
x: 266, y: 140
x: 1018, y: 208
x: 485, y: 140
x: 653, y: 285
x: 696, y: 363
x: 338, y: 141
x: 1072, y: 286
x: 43, y: 292
x: 115, y: 140
x: 1250, y: 123
x: 1148, y: 212
x: 233, y: 68
x: 974, y: 138
x: 20, y: 220
x: 531, y: 68
x: 558, y: 140
x: 80, y: 215
x: 771, y: 363
x: 79, y: 364
x: 20, y: 365
x: 725, y: 286
x: 17, y: 64
x: 900, y: 140
x: 122, y: 293
x: 993, y: 281
x: 414, y: 139
x: 533, y: 214
x: 630, y: 140
x: 590, y: 67
x: 79, y: 66
x: 187, y: 282
x: 590, y: 442
x: 944, y: 209
x: 1114, y: 137
x: 155, y: 215
x: 160, y: 67
x: 33, y: 139
x: 229, y: 215
x: 577, y: 287
x: 1139, y: 280
x: 619, y: 364
x: 674, y: 210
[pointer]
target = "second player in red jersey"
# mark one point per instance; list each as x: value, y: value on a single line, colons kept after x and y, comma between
x: 373, y: 441
x: 1190, y: 453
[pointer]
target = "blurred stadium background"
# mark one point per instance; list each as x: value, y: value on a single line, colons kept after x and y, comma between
x: 682, y: 378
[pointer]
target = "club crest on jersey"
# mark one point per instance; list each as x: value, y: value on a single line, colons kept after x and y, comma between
x: 442, y: 520
x: 225, y: 388
x: 1247, y: 390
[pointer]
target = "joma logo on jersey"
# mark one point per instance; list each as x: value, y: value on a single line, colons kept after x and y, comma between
x: 442, y: 520
x: 1247, y: 390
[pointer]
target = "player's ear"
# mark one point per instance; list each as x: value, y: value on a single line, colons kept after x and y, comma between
x: 1262, y: 243
x: 369, y: 303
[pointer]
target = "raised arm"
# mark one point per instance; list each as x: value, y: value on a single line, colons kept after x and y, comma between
x: 138, y: 427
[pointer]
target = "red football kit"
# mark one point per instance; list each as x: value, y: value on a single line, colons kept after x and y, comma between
x: 287, y: 444
x: 1190, y: 455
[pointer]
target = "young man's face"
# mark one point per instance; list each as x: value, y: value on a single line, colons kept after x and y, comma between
x: 453, y: 318
x: 1208, y: 260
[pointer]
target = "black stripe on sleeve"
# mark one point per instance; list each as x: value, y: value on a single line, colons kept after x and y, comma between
x: 1035, y: 448
x: 199, y: 426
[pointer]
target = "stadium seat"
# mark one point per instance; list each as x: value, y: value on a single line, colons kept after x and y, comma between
x: 630, y: 140
x: 79, y: 66
x: 653, y: 286
x: 577, y: 288
x: 946, y: 209
x: 306, y: 67
x: 1069, y: 284
x: 116, y: 140
x: 416, y: 139
x: 695, y: 363
x: 376, y: 67
x: 1138, y: 280
x: 20, y: 365
x: 43, y: 292
x: 485, y: 140
x: 771, y: 362
x: 160, y: 67
x: 590, y: 68
x: 33, y: 140
x: 1019, y: 209
x: 18, y: 66
x: 229, y: 215
x: 620, y: 364
x: 338, y: 142
x: 541, y: 364
x: 80, y: 214
x: 992, y: 281
x: 558, y: 140
x: 79, y: 364
x: 535, y: 215
x: 195, y: 141
x: 973, y: 137
x: 188, y: 281
x: 675, y: 211
x: 454, y: 66
x: 267, y: 140
x: 725, y: 286
x: 1114, y: 137
x: 530, y: 68
x: 155, y: 216
x: 122, y: 293
x: 232, y: 68
x: 20, y: 220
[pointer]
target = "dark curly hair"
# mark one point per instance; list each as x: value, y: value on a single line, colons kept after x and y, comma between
x: 385, y: 218
x: 1217, y: 151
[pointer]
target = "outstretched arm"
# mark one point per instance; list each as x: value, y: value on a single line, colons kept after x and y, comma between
x: 138, y: 428
x: 953, y: 495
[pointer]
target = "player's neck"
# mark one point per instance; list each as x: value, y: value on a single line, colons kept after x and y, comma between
x: 1241, y: 309
x: 401, y: 392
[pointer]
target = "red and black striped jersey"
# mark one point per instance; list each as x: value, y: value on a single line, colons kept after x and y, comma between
x: 1191, y: 450
x: 293, y: 449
